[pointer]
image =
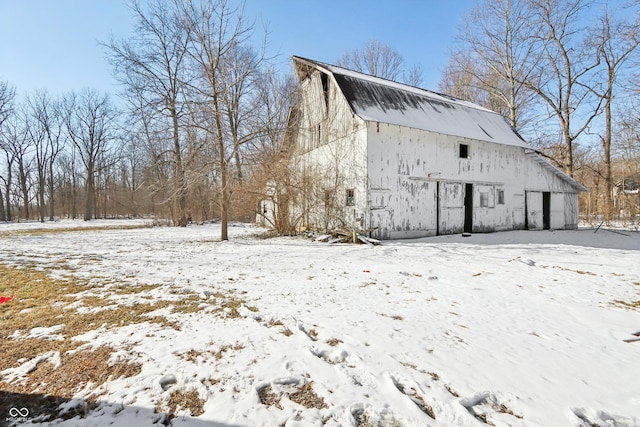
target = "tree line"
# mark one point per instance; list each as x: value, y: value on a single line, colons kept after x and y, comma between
x: 201, y: 131
x: 202, y: 108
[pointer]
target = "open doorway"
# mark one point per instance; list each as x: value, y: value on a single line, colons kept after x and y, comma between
x: 546, y: 210
x: 468, y: 208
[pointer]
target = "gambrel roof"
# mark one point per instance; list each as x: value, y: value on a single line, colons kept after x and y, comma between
x: 385, y: 101
x: 380, y: 100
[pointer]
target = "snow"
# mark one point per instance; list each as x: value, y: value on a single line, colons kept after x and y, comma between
x: 517, y: 328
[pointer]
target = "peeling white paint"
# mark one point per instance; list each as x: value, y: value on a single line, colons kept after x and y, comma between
x: 410, y: 182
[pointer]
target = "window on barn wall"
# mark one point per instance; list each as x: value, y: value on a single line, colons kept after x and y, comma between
x: 500, y: 197
x: 351, y: 197
x: 484, y: 199
x: 464, y: 151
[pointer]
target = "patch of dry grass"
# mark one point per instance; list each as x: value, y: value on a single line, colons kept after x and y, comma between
x: 219, y: 354
x: 60, y: 230
x: 392, y: 316
x: 334, y: 342
x: 190, y: 303
x: 47, y: 386
x: 76, y: 370
x: 313, y: 334
x: 78, y: 306
x: 186, y: 400
x: 588, y: 273
x: 191, y: 355
x: 272, y: 323
x: 268, y: 397
x: 307, y: 397
x: 42, y: 302
x: 303, y: 395
x: 181, y: 400
x: 627, y: 304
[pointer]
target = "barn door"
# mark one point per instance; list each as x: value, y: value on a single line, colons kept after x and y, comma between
x: 450, y: 204
x: 534, y: 210
x: 546, y: 210
x: 468, y: 208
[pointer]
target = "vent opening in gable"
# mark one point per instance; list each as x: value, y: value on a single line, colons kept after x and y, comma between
x: 325, y: 88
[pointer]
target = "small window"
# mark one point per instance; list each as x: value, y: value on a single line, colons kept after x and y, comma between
x: 484, y: 199
x: 464, y: 151
x: 500, y: 194
x: 351, y: 198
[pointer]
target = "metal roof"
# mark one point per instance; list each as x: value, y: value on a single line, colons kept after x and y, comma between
x: 385, y: 101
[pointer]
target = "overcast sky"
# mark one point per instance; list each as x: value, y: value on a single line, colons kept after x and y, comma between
x: 53, y: 44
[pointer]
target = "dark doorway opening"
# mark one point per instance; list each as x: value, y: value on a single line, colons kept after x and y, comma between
x: 437, y: 208
x: 546, y: 210
x: 526, y: 211
x: 468, y: 208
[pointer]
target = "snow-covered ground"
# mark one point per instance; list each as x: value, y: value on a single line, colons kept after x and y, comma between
x: 505, y: 329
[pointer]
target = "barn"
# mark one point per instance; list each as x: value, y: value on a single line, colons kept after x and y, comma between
x: 407, y: 162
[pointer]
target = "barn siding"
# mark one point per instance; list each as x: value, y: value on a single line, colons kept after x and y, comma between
x: 331, y: 157
x: 398, y: 158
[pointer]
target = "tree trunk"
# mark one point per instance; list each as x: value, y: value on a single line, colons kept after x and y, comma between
x: 51, y: 189
x: 7, y: 194
x: 224, y: 191
x: 3, y: 216
x: 74, y: 197
x: 89, y: 196
x: 608, y: 184
x: 179, y: 171
x: 23, y: 188
x: 42, y: 207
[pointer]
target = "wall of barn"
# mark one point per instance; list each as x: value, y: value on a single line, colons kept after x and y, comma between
x: 331, y: 157
x: 418, y: 183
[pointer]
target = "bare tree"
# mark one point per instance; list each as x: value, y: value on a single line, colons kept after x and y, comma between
x: 617, y: 41
x: 69, y: 181
x: 16, y: 143
x: 276, y: 179
x: 381, y: 60
x: 564, y: 73
x: 471, y: 80
x: 7, y: 95
x: 37, y: 137
x: 89, y: 119
x: 151, y: 65
x: 46, y: 130
x: 226, y: 66
x: 458, y: 79
x: 497, y: 57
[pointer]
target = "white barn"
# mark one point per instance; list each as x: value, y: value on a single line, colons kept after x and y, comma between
x: 412, y: 163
